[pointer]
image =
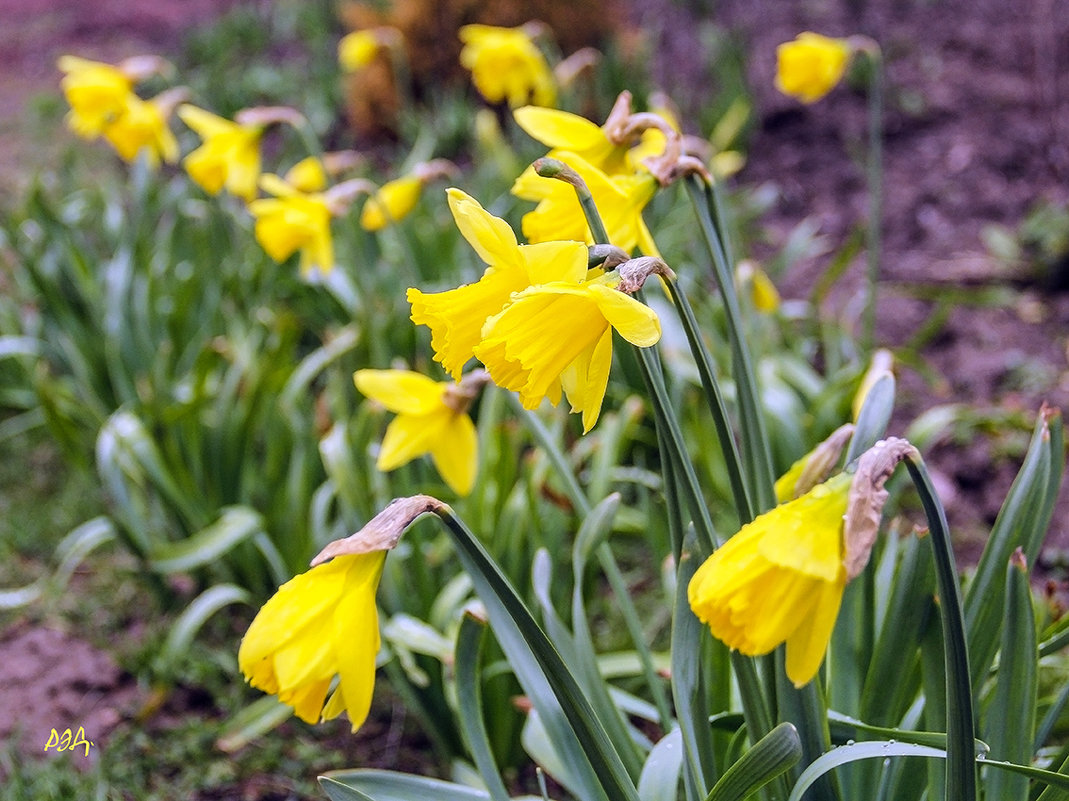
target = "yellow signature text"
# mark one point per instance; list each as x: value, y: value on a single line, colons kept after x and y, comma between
x: 69, y: 740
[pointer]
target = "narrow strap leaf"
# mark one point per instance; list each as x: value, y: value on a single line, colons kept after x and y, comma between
x: 470, y: 705
x: 771, y: 756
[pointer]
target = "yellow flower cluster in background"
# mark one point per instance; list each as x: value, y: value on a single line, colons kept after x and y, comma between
x: 229, y: 157
x: 507, y: 66
x: 103, y: 104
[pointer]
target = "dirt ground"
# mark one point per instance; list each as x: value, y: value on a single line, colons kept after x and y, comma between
x: 977, y: 132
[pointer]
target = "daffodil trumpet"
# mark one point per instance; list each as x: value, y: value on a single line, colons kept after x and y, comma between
x: 781, y: 578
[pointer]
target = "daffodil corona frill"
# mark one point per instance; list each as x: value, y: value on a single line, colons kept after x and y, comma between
x: 294, y: 220
x: 431, y: 418
x: 456, y: 316
x: 780, y: 579
x: 317, y: 625
x: 810, y: 66
x: 229, y: 156
x: 506, y: 66
x: 558, y: 336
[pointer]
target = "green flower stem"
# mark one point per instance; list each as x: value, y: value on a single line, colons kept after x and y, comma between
x: 715, y: 399
x: 874, y: 177
x: 606, y: 559
x: 552, y: 168
x: 668, y: 427
x: 961, y: 765
x: 754, y: 437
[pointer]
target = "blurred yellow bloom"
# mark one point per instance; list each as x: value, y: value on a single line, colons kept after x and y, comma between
x: 431, y: 418
x: 142, y: 126
x: 811, y: 65
x: 357, y: 49
x: 620, y: 200
x: 558, y: 336
x: 391, y: 203
x: 317, y: 625
x: 507, y: 66
x: 779, y: 579
x: 456, y: 316
x: 229, y: 156
x: 563, y: 131
x: 294, y: 220
x: 307, y: 175
x: 97, y: 93
x: 761, y: 289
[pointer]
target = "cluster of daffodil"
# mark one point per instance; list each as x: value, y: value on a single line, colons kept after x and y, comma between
x: 790, y: 599
x: 292, y: 212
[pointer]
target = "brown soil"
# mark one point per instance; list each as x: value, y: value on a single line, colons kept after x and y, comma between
x: 977, y: 131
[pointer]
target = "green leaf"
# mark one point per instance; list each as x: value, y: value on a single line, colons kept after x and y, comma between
x: 874, y: 416
x: 961, y: 773
x: 259, y: 717
x: 660, y: 774
x: 386, y: 785
x: 1021, y: 523
x: 236, y: 524
x: 470, y: 704
x: 844, y: 727
x: 184, y: 630
x: 846, y: 754
x: 577, y: 733
x: 1011, y: 717
x: 891, y: 681
x: 771, y: 756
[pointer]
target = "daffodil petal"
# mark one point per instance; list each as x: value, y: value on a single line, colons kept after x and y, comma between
x: 491, y: 237
x: 356, y: 635
x: 635, y: 321
x: 410, y: 436
x: 455, y: 454
x: 400, y: 391
x: 560, y: 129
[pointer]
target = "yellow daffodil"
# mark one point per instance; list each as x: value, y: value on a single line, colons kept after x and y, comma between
x: 779, y: 579
x: 391, y: 203
x: 229, y: 156
x: 456, y: 316
x: 811, y: 65
x: 506, y: 65
x: 763, y: 293
x: 294, y: 220
x: 317, y: 625
x: 563, y: 131
x: 620, y: 200
x: 357, y: 49
x: 97, y: 93
x: 558, y: 336
x: 142, y: 127
x: 307, y: 175
x: 619, y: 147
x: 431, y: 418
